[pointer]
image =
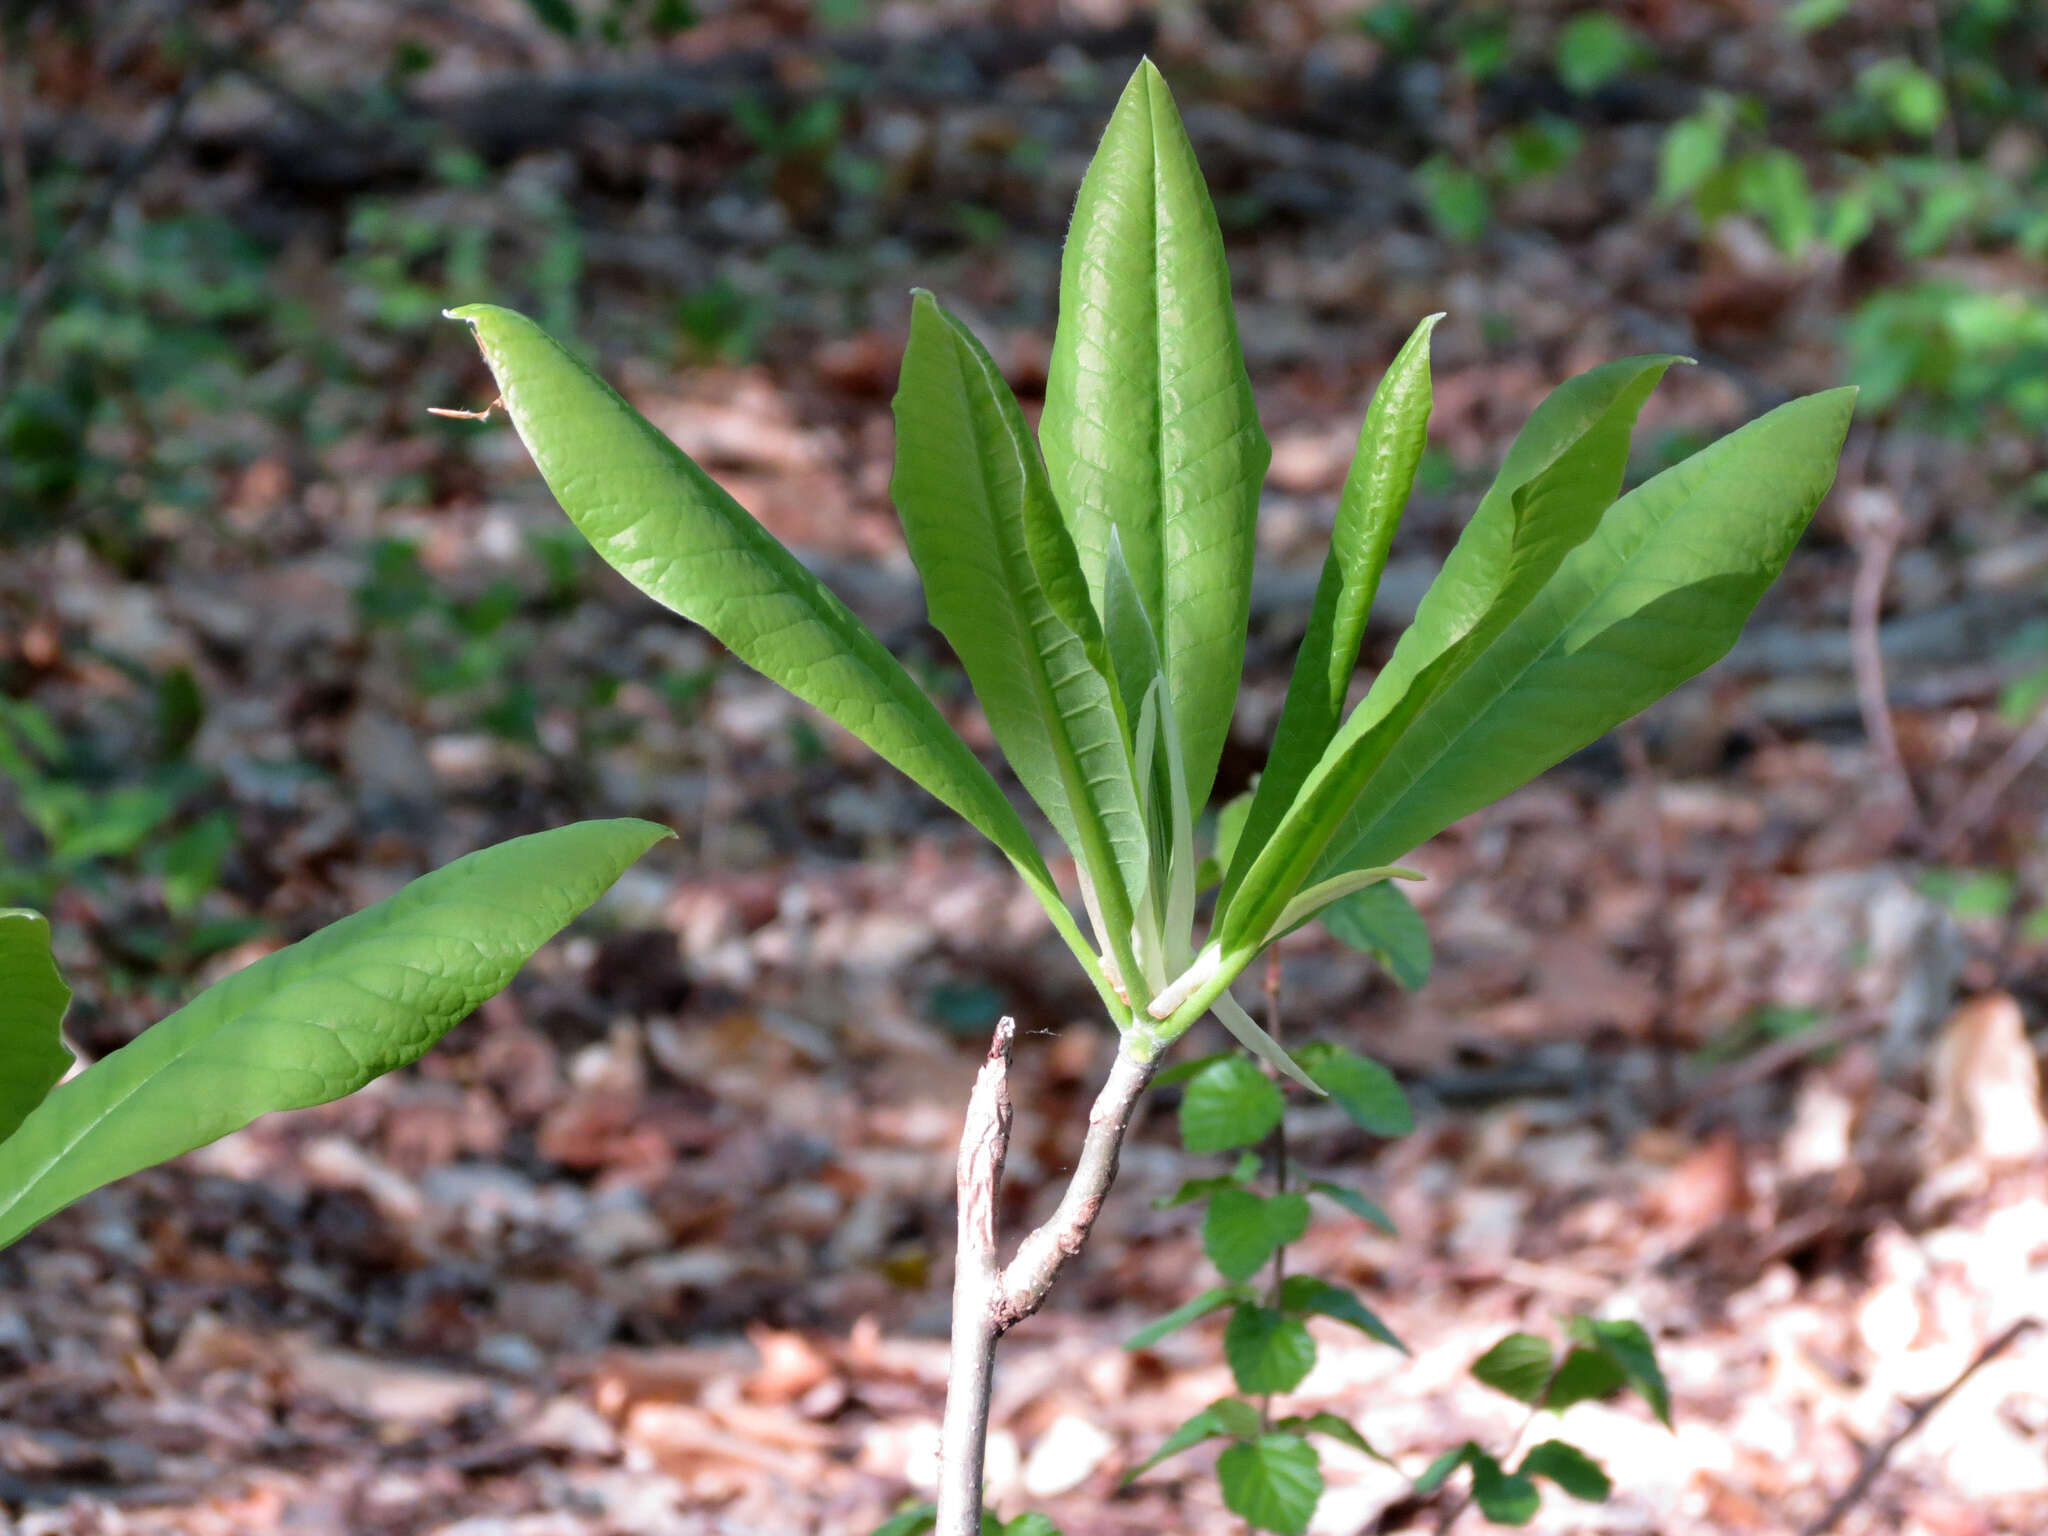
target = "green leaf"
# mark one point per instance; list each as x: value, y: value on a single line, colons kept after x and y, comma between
x: 1230, y: 1103
x: 1438, y: 1472
x: 1366, y: 1089
x: 1694, y: 148
x: 1390, y: 445
x: 1005, y: 588
x: 1587, y: 1375
x: 1660, y: 592
x: 1031, y: 1525
x: 1272, y: 1482
x: 1194, y: 1066
x: 1225, y: 1418
x: 673, y: 532
x: 1310, y: 1296
x: 1329, y: 1424
x: 1268, y: 1351
x: 314, y: 1021
x: 1230, y: 824
x: 1209, y: 1301
x: 33, y: 1057
x: 1629, y: 1347
x: 1570, y: 1468
x: 1560, y: 475
x: 1592, y: 49
x: 1382, y: 922
x: 1518, y: 1365
x: 1311, y: 902
x: 1505, y: 1498
x: 1357, y: 1204
x: 1242, y: 1229
x: 1192, y: 1190
x: 911, y: 1522
x: 1149, y: 425
x: 557, y: 16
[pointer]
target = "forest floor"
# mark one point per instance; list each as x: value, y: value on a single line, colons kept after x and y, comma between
x: 657, y: 1243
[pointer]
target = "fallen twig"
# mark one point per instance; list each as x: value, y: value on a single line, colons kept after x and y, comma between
x: 1875, y: 1458
x: 1875, y: 526
x: 1982, y: 797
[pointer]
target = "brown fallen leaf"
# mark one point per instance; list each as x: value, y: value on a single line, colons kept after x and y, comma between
x: 1986, y: 1084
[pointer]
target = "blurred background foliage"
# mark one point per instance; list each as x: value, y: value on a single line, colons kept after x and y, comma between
x: 231, y: 229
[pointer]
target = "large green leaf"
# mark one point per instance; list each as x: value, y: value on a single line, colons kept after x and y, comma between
x: 1560, y: 475
x: 314, y: 1021
x: 1149, y: 426
x: 672, y: 531
x: 1657, y: 594
x: 988, y: 540
x: 1375, y: 493
x: 33, y: 998
x: 1273, y: 1482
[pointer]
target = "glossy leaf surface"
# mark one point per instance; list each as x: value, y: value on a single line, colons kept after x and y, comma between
x: 1656, y: 595
x: 989, y: 543
x: 1149, y: 426
x: 1382, y: 473
x: 33, y: 997
x: 313, y: 1021
x: 673, y: 532
x: 1561, y: 473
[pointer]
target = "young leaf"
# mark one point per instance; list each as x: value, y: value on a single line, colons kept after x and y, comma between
x: 1245, y: 1030
x: 1357, y: 1204
x: 1241, y: 1229
x: 1268, y: 1351
x: 33, y: 997
x: 1209, y: 1301
x: 673, y: 532
x: 1381, y: 921
x: 314, y: 1021
x: 1366, y: 1089
x: 1311, y: 1296
x: 1032, y: 1524
x: 1586, y: 1375
x: 1311, y: 902
x: 1149, y: 425
x: 1518, y: 1365
x: 1375, y: 493
x: 1438, y: 1472
x: 1230, y: 822
x: 1505, y: 1498
x: 1228, y: 1417
x: 1660, y: 592
x: 911, y: 1522
x: 1329, y: 1424
x: 1272, y: 1482
x: 1560, y: 474
x: 988, y: 541
x: 1194, y: 1066
x: 1192, y: 1190
x: 1230, y: 1103
x: 1629, y: 1347
x: 1570, y: 1468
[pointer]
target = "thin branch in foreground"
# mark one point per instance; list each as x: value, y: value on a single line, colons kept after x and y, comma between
x: 1875, y: 1458
x: 988, y: 1302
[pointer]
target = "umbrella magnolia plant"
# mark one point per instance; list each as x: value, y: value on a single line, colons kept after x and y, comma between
x: 1095, y: 582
